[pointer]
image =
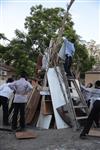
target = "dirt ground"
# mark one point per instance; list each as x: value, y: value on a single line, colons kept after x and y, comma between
x: 51, y: 139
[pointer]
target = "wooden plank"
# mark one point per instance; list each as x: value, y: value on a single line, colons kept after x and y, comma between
x: 44, y: 93
x: 32, y: 106
x: 44, y: 120
x: 26, y: 135
x: 56, y: 96
x: 45, y: 89
x: 95, y: 132
x: 46, y: 107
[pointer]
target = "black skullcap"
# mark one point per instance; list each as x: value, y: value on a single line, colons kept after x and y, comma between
x: 97, y: 83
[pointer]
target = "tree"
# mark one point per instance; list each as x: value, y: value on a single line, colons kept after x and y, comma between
x: 42, y: 25
x: 82, y: 61
x: 2, y: 36
x: 94, y: 50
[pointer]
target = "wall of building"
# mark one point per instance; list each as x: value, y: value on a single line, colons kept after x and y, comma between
x: 92, y: 77
x: 3, y: 78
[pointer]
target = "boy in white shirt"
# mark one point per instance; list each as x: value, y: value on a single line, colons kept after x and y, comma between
x: 5, y: 94
x: 95, y: 111
x: 21, y: 87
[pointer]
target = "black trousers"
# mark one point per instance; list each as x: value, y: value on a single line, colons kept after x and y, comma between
x: 4, y: 102
x: 67, y: 64
x: 93, y: 116
x: 11, y: 107
x: 18, y: 108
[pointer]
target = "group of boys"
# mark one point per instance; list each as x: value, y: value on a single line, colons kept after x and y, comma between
x: 22, y: 87
x: 19, y: 89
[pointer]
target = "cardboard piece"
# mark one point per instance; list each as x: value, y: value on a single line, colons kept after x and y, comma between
x: 26, y: 135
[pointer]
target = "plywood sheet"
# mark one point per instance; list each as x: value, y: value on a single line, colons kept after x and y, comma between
x: 57, y: 95
x: 26, y: 135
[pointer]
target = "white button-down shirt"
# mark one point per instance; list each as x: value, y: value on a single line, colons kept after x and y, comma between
x: 21, y: 87
x: 67, y: 48
x: 6, y: 91
x: 93, y: 93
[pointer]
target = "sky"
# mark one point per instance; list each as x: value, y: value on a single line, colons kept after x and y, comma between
x: 85, y: 15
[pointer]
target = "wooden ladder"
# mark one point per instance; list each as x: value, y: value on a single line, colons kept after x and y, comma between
x: 77, y: 107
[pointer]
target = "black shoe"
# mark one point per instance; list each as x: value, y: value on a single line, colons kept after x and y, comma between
x: 6, y: 124
x: 20, y: 129
x: 14, y: 129
x: 98, y: 126
x: 70, y: 77
x: 83, y: 136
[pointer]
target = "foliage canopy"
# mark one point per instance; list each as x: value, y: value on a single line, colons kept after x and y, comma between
x: 42, y: 25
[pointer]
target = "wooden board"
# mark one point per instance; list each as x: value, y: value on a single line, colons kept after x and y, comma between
x: 46, y: 107
x: 56, y: 95
x: 94, y: 132
x: 32, y: 106
x: 25, y: 135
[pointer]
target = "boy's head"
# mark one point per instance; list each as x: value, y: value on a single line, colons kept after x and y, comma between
x: 23, y: 75
x: 97, y: 84
x: 9, y: 80
x: 89, y: 85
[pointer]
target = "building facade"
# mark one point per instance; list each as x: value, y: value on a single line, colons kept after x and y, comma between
x: 6, y: 72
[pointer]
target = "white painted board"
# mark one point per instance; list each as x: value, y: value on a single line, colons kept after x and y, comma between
x: 56, y: 95
x: 44, y: 121
x: 44, y: 93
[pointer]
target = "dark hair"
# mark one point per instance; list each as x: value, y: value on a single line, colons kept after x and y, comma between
x: 73, y: 40
x: 23, y: 75
x: 9, y: 80
x: 97, y: 84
